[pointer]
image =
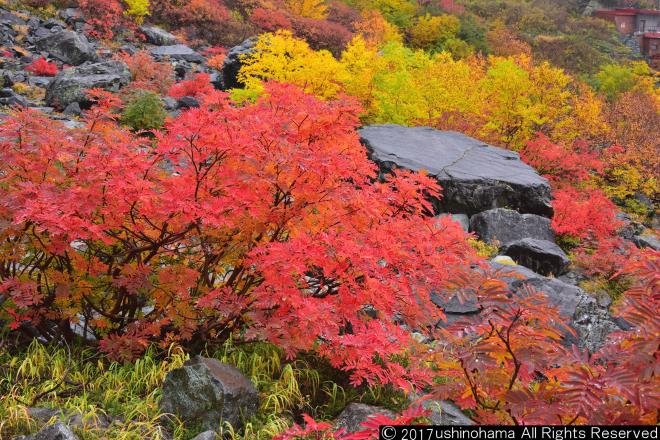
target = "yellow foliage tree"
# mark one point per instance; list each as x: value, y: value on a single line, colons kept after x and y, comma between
x: 376, y: 30
x: 138, y: 9
x: 308, y: 8
x: 282, y: 57
x: 429, y: 31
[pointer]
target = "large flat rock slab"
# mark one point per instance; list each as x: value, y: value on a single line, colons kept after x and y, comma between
x: 475, y: 176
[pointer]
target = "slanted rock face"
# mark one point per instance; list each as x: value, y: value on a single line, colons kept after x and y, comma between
x: 68, y: 47
x: 357, y: 413
x: 158, y: 36
x: 475, y: 176
x: 542, y: 256
x: 232, y: 63
x: 206, y: 392
x: 70, y: 85
x: 177, y: 52
x: 506, y: 225
x: 589, y: 317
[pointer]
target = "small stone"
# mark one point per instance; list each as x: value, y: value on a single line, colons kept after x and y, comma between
x: 57, y: 431
x: 352, y: 417
x: 206, y: 435
x: 206, y: 392
x: 542, y: 256
x: 158, y: 36
x: 504, y: 259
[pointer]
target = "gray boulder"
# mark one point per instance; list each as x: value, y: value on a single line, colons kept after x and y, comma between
x: 461, y: 219
x: 233, y: 63
x: 206, y: 393
x: 57, y: 431
x: 72, y: 15
x: 542, y: 256
x: 588, y: 316
x: 474, y: 176
x: 70, y: 85
x: 176, y: 52
x: 10, y: 98
x: 357, y: 413
x: 67, y: 46
x: 506, y: 225
x: 158, y: 36
x: 647, y: 241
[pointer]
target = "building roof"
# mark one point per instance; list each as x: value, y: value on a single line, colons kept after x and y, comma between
x: 651, y: 35
x: 627, y: 11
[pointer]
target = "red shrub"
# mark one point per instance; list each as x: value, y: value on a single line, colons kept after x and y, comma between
x: 603, y: 257
x: 256, y: 222
x: 343, y: 14
x: 584, y: 214
x: 322, y: 34
x: 198, y: 85
x: 42, y: 67
x: 104, y: 18
x: 270, y: 20
x: 147, y: 73
x: 202, y: 20
x: 561, y: 164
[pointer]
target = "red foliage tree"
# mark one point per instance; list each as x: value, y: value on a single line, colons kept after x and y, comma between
x: 42, y: 67
x: 104, y: 18
x: 561, y: 164
x: 147, y: 73
x: 270, y: 20
x: 264, y: 220
x: 584, y: 214
x: 198, y: 85
x: 322, y: 34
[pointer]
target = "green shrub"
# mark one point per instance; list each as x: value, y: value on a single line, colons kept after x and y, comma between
x: 144, y: 111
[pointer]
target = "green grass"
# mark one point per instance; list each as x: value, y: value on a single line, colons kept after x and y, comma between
x: 79, y: 380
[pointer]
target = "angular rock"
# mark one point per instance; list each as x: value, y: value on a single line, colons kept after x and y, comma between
x: 461, y: 219
x: 10, y: 98
x: 591, y: 320
x: 206, y: 393
x: 70, y: 85
x: 68, y: 47
x: 40, y: 81
x: 506, y: 225
x: 177, y: 52
x: 187, y: 102
x: 454, y: 306
x: 72, y: 15
x: 630, y: 227
x: 158, y: 36
x: 357, y: 413
x: 647, y: 241
x: 542, y: 256
x: 57, y: 431
x: 233, y: 63
x: 504, y: 259
x: 474, y: 176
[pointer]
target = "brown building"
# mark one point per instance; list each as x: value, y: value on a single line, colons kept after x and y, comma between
x: 650, y: 47
x: 632, y: 20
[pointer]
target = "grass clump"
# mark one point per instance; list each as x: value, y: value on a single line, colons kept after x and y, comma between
x: 144, y: 111
x: 121, y: 401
